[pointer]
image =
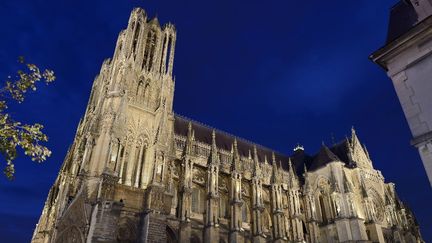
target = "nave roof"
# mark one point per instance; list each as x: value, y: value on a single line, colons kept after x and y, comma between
x: 224, y: 141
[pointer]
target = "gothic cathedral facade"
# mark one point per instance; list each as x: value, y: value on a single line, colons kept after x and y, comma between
x: 137, y: 172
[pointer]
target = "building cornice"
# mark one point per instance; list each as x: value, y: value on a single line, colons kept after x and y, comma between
x: 401, y: 43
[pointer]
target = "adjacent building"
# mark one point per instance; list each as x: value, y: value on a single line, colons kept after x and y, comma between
x: 138, y: 172
x: 407, y: 59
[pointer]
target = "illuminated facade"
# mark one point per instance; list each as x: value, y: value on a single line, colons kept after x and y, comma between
x: 137, y: 172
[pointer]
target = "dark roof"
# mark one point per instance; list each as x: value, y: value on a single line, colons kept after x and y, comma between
x: 203, y: 133
x: 324, y: 156
x: 341, y: 150
x: 402, y: 18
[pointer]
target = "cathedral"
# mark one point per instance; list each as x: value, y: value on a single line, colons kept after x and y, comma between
x: 138, y: 172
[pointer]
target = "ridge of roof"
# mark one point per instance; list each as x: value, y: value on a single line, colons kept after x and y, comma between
x: 203, y: 133
x: 229, y: 134
x: 324, y: 156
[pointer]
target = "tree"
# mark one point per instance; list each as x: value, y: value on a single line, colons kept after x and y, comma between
x: 13, y: 133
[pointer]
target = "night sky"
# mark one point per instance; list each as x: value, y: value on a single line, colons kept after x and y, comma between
x: 274, y: 72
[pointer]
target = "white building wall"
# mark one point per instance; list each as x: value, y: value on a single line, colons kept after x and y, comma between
x: 410, y: 69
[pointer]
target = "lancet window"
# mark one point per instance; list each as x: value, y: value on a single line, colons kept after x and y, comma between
x: 135, y: 38
x: 149, y: 50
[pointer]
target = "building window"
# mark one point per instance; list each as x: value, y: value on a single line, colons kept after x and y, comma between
x: 223, y: 207
x: 149, y: 50
x: 195, y: 200
x: 324, y: 215
x: 135, y: 38
x: 245, y: 212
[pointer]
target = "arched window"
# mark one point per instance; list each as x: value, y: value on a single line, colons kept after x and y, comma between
x: 171, y: 236
x: 266, y: 220
x: 125, y: 161
x: 324, y: 213
x: 195, y: 200
x: 165, y: 62
x: 245, y: 212
x: 147, y: 93
x: 223, y: 207
x: 135, y: 38
x: 119, y: 159
x: 174, y: 203
x: 139, y: 94
x: 149, y: 50
x: 115, y: 151
x: 143, y: 155
x: 202, y: 202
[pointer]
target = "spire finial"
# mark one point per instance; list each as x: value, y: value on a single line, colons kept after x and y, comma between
x: 235, y: 148
x: 256, y: 162
x: 189, y: 140
x: 214, y: 138
x: 255, y: 152
x: 290, y: 164
x: 189, y: 128
x: 236, y: 156
x: 213, y: 151
x: 275, y: 172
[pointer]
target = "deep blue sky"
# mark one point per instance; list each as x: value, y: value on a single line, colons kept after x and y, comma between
x: 275, y: 72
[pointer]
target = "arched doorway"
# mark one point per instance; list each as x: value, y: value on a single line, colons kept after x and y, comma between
x: 171, y: 236
x: 195, y: 239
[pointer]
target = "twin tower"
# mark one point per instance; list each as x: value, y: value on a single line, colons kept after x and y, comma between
x: 136, y: 172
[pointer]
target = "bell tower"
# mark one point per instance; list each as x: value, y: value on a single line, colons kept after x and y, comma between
x: 146, y: 50
x: 125, y: 139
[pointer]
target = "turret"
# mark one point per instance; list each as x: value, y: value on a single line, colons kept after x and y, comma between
x: 235, y: 165
x: 213, y: 169
x: 189, y: 142
x: 257, y: 167
x: 293, y: 180
x: 275, y: 178
x: 236, y: 197
x: 187, y: 177
x: 257, y: 200
x: 212, y: 203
